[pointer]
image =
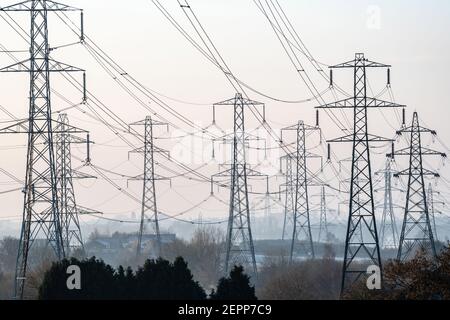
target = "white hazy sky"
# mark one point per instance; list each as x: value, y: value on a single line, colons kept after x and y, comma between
x: 413, y: 36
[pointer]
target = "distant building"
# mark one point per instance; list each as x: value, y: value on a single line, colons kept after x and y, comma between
x: 108, y: 247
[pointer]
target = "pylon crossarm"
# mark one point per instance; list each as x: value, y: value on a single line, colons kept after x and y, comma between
x: 355, y: 62
x: 351, y: 137
x: 162, y: 151
x: 430, y: 152
x: 424, y: 152
x: 255, y: 174
x: 156, y: 178
x: 402, y: 152
x: 416, y: 129
x: 83, y: 211
x: 22, y: 66
x: 295, y: 126
x: 50, y: 6
x: 155, y: 150
x: 54, y: 66
x: 229, y: 138
x: 153, y: 123
x: 81, y: 175
x: 425, y: 172
x: 23, y: 125
x: 369, y: 103
x: 249, y: 172
x: 252, y: 137
x: 69, y: 129
x: 223, y: 174
x: 232, y: 102
x: 18, y: 127
x: 73, y: 139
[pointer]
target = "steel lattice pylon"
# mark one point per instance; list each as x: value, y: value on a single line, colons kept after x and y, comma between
x: 239, y: 248
x: 388, y: 229
x: 267, y: 214
x: 149, y: 212
x: 416, y: 228
x: 361, y: 241
x: 323, y: 226
x: 68, y: 210
x: 432, y: 203
x: 289, y: 204
x: 301, y: 241
x: 41, y: 211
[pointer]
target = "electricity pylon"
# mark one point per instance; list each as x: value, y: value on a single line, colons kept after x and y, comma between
x: 68, y: 209
x: 302, y: 240
x: 416, y: 229
x: 267, y: 213
x: 239, y: 241
x: 432, y: 203
x: 323, y: 225
x: 361, y: 207
x: 149, y: 212
x: 289, y: 204
x: 40, y: 213
x: 388, y: 228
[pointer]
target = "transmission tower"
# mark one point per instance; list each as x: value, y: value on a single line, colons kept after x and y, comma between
x: 432, y: 203
x: 388, y: 229
x: 361, y: 204
x: 239, y: 242
x: 301, y: 236
x: 416, y: 229
x: 68, y: 209
x: 323, y: 226
x: 289, y: 204
x: 40, y: 213
x: 149, y: 212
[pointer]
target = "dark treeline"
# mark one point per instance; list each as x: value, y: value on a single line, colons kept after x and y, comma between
x: 155, y: 280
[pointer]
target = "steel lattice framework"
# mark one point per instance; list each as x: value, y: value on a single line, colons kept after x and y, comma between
x: 289, y: 204
x: 68, y: 209
x: 149, y: 211
x: 416, y: 229
x: 302, y: 241
x: 323, y: 226
x: 239, y: 240
x: 361, y: 241
x: 388, y: 229
x: 432, y: 202
x: 41, y: 211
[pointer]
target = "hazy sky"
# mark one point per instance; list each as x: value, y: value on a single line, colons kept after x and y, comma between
x: 410, y: 35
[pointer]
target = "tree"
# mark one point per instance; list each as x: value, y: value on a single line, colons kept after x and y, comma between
x: 125, y: 283
x: 202, y: 252
x: 97, y: 281
x: 235, y: 287
x: 161, y: 280
x: 156, y: 280
x: 305, y: 280
x: 421, y: 278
